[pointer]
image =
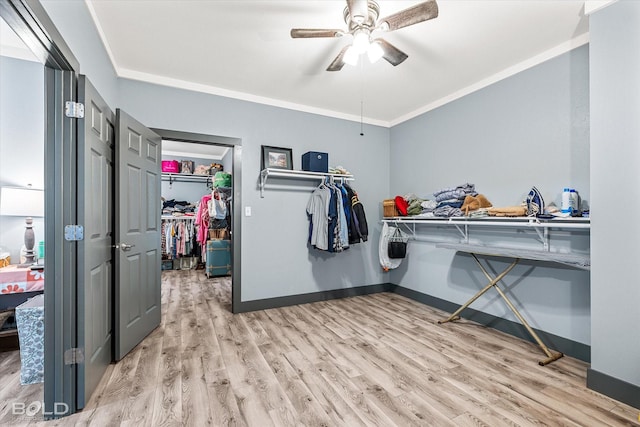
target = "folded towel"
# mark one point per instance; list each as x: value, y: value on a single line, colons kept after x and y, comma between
x: 479, y: 213
x: 508, y: 211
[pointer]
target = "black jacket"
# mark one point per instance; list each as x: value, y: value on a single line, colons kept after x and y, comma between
x: 358, y: 228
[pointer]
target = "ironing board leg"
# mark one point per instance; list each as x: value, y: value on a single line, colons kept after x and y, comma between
x: 493, y: 283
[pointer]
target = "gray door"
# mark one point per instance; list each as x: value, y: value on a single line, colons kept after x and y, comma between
x: 95, y: 265
x: 137, y: 259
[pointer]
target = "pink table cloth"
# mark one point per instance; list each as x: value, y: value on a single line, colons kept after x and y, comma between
x: 14, y: 279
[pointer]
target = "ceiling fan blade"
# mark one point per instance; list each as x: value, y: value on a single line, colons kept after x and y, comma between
x: 418, y: 13
x: 305, y: 33
x: 392, y: 54
x: 358, y: 11
x: 338, y: 62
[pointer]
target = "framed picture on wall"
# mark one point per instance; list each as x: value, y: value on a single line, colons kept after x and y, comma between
x: 277, y: 158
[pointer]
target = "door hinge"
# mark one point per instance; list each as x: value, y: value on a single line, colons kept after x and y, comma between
x: 73, y: 232
x: 74, y: 356
x: 74, y: 110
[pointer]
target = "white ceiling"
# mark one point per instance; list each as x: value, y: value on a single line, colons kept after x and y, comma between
x: 242, y: 49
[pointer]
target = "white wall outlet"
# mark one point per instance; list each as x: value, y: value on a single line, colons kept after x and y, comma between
x: 247, y: 211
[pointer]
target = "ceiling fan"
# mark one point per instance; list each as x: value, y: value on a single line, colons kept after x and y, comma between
x: 361, y: 17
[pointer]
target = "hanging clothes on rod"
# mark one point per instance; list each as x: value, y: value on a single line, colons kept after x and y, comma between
x: 358, y: 227
x: 318, y: 213
x: 202, y: 222
x: 177, y: 237
x: 336, y: 217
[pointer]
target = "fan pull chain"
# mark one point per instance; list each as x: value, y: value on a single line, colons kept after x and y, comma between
x: 361, y: 117
x: 361, y: 98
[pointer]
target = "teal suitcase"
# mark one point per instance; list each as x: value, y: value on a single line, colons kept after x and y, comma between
x: 218, y: 258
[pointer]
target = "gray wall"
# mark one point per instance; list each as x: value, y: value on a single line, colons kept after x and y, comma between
x: 73, y: 21
x: 615, y: 135
x: 227, y: 162
x: 21, y: 142
x: 275, y: 258
x: 529, y: 129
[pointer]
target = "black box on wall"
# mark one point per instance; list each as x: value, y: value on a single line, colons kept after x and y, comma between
x: 314, y: 161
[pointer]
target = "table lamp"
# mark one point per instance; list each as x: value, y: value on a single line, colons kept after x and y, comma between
x: 25, y: 202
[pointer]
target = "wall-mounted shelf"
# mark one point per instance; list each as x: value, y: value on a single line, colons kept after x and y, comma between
x: 183, y: 217
x: 295, y: 174
x: 184, y: 177
x: 462, y: 224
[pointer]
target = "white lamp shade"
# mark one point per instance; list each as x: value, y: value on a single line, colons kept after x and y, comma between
x: 21, y: 202
x: 351, y: 57
x: 361, y: 41
x: 375, y: 52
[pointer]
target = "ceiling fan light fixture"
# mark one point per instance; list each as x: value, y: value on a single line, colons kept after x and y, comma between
x: 351, y: 56
x: 375, y: 52
x: 361, y: 41
x: 361, y: 19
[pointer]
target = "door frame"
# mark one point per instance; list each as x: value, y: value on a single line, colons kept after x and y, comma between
x: 31, y: 23
x: 236, y: 223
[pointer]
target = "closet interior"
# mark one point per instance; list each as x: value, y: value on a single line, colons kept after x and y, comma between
x: 197, y: 190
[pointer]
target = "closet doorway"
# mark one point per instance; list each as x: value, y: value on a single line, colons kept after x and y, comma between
x: 200, y: 168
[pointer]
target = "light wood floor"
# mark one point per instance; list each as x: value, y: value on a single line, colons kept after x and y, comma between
x: 379, y: 360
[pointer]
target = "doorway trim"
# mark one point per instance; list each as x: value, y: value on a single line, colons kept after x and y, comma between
x: 236, y: 235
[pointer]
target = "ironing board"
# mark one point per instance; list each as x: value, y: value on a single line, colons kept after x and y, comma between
x: 578, y: 261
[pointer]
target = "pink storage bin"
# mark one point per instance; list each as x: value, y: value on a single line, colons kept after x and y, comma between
x: 172, y: 166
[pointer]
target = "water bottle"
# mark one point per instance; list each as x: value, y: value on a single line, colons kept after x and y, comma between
x: 573, y: 195
x: 566, y: 201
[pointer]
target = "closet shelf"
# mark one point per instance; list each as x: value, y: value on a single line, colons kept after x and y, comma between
x: 184, y: 177
x: 183, y: 217
x: 296, y: 174
x: 462, y: 224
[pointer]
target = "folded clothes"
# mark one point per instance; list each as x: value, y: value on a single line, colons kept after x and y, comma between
x: 429, y: 205
x: 447, y: 211
x: 479, y: 213
x: 451, y: 200
x: 415, y: 207
x: 455, y: 192
x: 172, y: 203
x: 472, y: 203
x: 453, y: 203
x: 508, y: 211
x: 450, y: 194
x: 426, y: 214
